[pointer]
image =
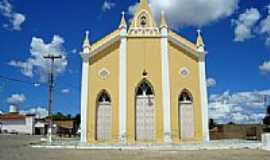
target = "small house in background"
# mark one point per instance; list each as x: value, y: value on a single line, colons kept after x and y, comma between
x: 41, y: 127
x: 61, y: 128
x: 16, y: 123
x: 65, y: 127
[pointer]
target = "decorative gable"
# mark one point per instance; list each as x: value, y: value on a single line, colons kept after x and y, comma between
x: 143, y: 23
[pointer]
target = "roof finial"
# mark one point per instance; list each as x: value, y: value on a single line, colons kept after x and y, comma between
x: 144, y: 1
x: 163, y: 22
x: 200, y: 43
x: 86, y: 42
x: 123, y: 23
x: 199, y: 31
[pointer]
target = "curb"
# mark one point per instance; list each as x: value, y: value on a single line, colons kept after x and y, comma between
x: 252, y: 146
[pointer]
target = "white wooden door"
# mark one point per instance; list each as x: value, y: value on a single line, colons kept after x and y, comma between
x: 104, y: 121
x: 145, y: 118
x: 186, y: 121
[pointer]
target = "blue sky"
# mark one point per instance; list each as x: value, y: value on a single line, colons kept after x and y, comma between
x: 236, y: 46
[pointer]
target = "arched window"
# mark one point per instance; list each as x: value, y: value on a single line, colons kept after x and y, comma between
x: 185, y: 96
x: 144, y: 89
x: 104, y: 97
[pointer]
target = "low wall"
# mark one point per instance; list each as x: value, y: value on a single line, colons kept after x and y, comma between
x: 246, y: 132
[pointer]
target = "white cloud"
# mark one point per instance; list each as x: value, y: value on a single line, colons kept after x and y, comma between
x: 18, y: 21
x: 211, y: 82
x: 16, y: 99
x: 264, y: 28
x: 240, y: 107
x: 40, y: 112
x: 1, y: 112
x: 245, y: 24
x: 132, y: 9
x: 265, y: 67
x: 36, y: 64
x: 238, y: 117
x: 196, y: 13
x: 15, y: 19
x: 107, y: 5
x: 36, y: 84
x: 74, y: 51
x: 26, y: 67
x: 65, y: 91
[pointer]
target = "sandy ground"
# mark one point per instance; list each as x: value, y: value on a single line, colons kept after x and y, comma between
x: 18, y: 148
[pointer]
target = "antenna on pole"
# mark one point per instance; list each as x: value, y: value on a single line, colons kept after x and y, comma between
x: 52, y: 59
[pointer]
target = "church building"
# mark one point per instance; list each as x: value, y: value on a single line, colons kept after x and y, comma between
x: 144, y: 84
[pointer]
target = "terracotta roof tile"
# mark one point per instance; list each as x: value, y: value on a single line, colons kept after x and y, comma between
x: 12, y: 116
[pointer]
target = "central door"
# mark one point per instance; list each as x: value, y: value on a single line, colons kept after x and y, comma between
x: 145, y: 113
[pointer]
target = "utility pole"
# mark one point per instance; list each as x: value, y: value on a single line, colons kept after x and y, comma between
x: 266, y: 99
x: 52, y: 59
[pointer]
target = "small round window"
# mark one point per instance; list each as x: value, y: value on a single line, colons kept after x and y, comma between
x: 184, y: 72
x: 104, y: 73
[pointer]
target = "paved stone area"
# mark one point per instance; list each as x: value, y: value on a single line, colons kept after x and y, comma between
x: 18, y: 148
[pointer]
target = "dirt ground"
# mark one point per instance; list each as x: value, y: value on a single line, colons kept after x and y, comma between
x: 18, y: 148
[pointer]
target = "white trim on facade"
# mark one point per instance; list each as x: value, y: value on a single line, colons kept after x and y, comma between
x: 183, y: 46
x: 204, y: 96
x: 105, y: 45
x: 84, y: 94
x: 166, y: 86
x: 123, y: 85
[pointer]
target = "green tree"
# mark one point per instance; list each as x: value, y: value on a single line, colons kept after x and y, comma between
x: 77, y: 119
x: 212, y: 123
x: 266, y: 119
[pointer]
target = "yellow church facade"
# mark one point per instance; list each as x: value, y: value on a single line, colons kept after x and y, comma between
x: 143, y: 84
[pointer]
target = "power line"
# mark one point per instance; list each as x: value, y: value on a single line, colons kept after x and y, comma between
x: 19, y: 81
x: 36, y: 84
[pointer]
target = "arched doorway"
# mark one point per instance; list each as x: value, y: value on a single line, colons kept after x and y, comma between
x: 145, y: 112
x: 104, y: 117
x: 186, y: 116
